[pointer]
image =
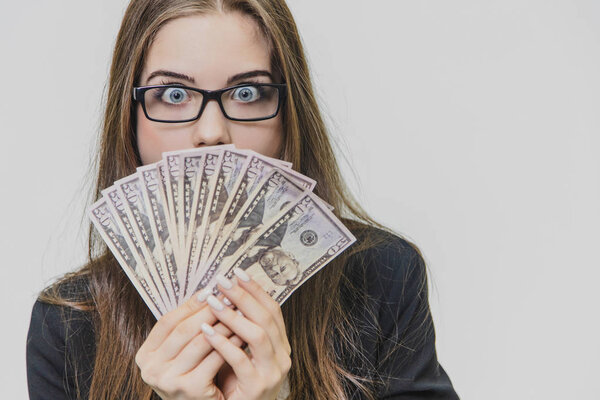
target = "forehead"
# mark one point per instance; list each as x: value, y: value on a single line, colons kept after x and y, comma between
x: 209, y: 47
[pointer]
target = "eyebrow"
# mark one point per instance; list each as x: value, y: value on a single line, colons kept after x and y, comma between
x: 230, y: 80
x: 249, y: 74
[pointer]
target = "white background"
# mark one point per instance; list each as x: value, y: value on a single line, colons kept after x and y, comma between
x: 472, y: 127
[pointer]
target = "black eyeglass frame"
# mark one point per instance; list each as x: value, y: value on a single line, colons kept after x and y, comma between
x: 207, y: 95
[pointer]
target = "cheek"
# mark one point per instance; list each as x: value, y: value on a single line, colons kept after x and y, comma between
x: 154, y: 138
x: 264, y: 137
x: 147, y: 140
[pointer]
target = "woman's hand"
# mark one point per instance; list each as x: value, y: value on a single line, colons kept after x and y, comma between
x: 258, y: 322
x: 176, y: 360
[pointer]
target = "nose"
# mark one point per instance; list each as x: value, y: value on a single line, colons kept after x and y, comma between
x: 212, y: 127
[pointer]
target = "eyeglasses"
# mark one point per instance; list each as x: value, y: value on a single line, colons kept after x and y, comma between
x: 178, y: 103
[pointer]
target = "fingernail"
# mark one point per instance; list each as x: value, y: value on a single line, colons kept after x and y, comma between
x: 227, y: 302
x: 224, y: 282
x: 207, y: 329
x: 240, y: 273
x: 204, y: 293
x: 239, y: 313
x: 215, y: 303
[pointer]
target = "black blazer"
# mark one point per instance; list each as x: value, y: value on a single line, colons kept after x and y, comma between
x: 401, y: 351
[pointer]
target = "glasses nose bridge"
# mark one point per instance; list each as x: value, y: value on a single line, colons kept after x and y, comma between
x: 212, y: 95
x: 208, y: 95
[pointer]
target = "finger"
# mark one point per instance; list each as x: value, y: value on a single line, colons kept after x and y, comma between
x: 257, y: 337
x: 170, y: 320
x: 210, y: 365
x: 196, y: 350
x: 183, y: 333
x: 262, y: 313
x: 232, y: 354
x: 250, y: 285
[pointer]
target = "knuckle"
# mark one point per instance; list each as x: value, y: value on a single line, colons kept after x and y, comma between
x: 272, y: 327
x: 189, y: 306
x: 184, y: 329
x: 273, y: 307
x: 242, y: 296
x: 239, y: 358
x: 139, y: 358
x: 197, y: 344
x: 258, y: 337
x: 263, y: 320
x: 165, y: 322
x: 148, y: 375
x: 286, y: 364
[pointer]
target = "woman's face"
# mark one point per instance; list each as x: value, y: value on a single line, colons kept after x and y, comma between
x: 207, y: 52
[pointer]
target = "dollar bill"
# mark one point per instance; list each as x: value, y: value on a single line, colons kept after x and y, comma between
x: 275, y: 192
x: 131, y: 191
x: 192, y: 167
x: 155, y: 204
x: 192, y: 215
x: 117, y: 206
x: 256, y: 169
x: 302, y: 240
x: 227, y: 175
x: 171, y: 175
x: 204, y: 181
x: 105, y: 223
x: 191, y: 162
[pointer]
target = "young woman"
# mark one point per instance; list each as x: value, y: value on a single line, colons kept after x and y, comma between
x: 360, y: 328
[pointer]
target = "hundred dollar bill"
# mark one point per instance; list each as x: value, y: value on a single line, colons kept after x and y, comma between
x: 109, y: 231
x: 302, y: 240
x: 191, y: 162
x: 256, y: 169
x: 131, y: 191
x: 117, y: 206
x: 226, y: 177
x: 150, y: 185
x: 275, y: 192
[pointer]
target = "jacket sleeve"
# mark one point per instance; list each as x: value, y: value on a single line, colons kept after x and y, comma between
x: 57, y: 335
x: 403, y: 341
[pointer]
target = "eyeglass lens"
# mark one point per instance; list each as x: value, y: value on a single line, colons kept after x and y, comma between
x: 179, y: 104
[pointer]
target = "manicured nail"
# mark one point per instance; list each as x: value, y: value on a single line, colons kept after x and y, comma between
x: 215, y: 303
x: 204, y: 293
x: 227, y: 302
x: 224, y: 282
x: 240, y: 273
x: 207, y: 329
x: 239, y: 313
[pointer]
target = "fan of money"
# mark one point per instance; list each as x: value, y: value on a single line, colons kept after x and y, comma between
x: 177, y: 224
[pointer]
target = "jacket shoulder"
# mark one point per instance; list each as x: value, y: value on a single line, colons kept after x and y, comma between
x: 60, y: 345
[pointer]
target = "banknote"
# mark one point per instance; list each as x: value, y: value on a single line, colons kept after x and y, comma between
x: 111, y: 234
x: 117, y: 207
x: 176, y: 224
x: 171, y: 174
x: 131, y: 191
x: 255, y: 170
x: 192, y: 166
x: 275, y: 192
x: 226, y: 177
x: 302, y: 240
x: 157, y: 212
x: 204, y: 183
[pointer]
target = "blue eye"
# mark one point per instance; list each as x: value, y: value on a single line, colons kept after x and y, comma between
x: 246, y: 94
x: 174, y: 95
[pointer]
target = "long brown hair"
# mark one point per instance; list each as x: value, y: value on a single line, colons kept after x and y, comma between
x: 121, y: 320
